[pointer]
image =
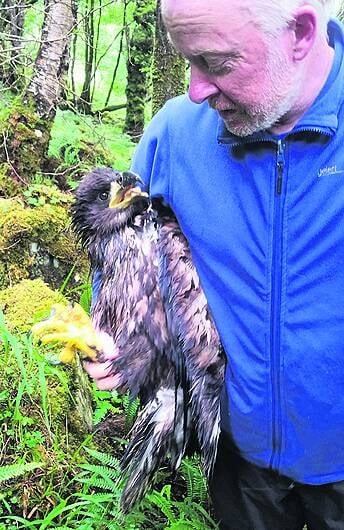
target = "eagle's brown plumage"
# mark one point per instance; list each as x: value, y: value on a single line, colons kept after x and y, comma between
x: 152, y: 313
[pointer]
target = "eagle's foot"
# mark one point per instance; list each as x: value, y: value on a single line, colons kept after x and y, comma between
x: 72, y: 326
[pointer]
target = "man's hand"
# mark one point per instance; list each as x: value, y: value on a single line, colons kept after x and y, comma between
x: 102, y: 373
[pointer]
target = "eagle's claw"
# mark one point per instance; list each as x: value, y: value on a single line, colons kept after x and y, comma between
x: 72, y: 326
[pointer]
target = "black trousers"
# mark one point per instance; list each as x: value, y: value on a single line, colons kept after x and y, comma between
x: 247, y: 497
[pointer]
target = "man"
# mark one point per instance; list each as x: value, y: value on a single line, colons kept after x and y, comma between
x: 255, y: 175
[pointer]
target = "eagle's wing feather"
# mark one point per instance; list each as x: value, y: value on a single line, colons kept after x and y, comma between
x: 192, y: 328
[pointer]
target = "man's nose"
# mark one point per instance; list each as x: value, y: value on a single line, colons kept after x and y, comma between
x: 201, y: 86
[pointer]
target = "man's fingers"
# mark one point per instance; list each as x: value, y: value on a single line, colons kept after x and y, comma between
x: 98, y: 370
x: 109, y: 383
x: 101, y: 373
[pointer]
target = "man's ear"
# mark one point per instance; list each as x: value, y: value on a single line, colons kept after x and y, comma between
x: 305, y: 27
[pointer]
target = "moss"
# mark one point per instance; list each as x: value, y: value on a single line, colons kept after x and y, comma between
x: 9, y: 187
x: 68, y: 395
x: 27, y: 302
x: 37, y: 242
x: 27, y: 138
x: 39, y: 194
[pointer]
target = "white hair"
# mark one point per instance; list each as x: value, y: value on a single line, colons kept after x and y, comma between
x: 273, y: 15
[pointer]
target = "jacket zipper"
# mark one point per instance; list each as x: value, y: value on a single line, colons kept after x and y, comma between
x: 252, y: 140
x: 276, y: 286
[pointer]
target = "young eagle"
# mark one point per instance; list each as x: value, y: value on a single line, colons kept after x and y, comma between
x: 151, y: 317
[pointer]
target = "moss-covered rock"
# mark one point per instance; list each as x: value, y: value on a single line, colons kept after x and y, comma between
x: 9, y: 187
x: 27, y: 302
x: 26, y: 141
x: 64, y: 392
x: 38, y: 243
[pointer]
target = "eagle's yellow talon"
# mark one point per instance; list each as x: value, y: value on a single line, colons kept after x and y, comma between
x: 72, y: 326
x: 67, y: 355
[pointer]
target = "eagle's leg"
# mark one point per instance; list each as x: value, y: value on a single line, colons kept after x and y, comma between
x: 71, y: 326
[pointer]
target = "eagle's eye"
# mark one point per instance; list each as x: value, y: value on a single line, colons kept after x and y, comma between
x: 103, y: 196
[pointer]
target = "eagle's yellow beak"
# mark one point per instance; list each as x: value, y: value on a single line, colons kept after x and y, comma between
x: 122, y: 197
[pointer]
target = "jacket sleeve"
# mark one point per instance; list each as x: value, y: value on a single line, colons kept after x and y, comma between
x: 152, y: 156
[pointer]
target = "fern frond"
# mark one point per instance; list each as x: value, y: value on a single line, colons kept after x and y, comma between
x: 104, y: 458
x: 196, y: 482
x: 195, y: 516
x: 15, y: 470
x: 131, y: 408
x: 163, y: 501
x: 104, y: 471
x: 95, y: 498
x: 101, y: 483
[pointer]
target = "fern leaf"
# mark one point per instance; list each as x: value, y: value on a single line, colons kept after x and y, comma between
x: 130, y: 407
x: 104, y: 471
x: 163, y: 502
x: 196, y: 483
x: 102, y: 484
x: 96, y: 498
x: 104, y: 458
x: 15, y: 470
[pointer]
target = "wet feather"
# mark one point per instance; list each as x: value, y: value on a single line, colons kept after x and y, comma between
x: 153, y: 311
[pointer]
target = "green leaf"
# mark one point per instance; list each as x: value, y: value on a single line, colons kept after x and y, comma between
x: 16, y: 470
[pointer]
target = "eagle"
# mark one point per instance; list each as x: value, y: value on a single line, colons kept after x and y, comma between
x: 150, y: 320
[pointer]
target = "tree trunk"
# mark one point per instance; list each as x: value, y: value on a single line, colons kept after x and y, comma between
x: 11, y: 29
x: 123, y: 34
x: 46, y: 84
x: 138, y: 66
x: 84, y: 103
x: 168, y: 67
x: 25, y: 143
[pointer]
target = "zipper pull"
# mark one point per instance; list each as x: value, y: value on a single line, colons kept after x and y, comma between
x: 280, y: 167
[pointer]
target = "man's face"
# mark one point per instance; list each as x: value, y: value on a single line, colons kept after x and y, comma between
x: 247, y: 79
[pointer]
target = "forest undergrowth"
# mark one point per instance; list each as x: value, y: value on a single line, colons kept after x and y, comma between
x: 52, y: 479
x: 54, y: 473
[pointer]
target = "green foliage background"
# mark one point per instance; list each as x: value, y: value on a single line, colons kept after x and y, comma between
x: 50, y: 476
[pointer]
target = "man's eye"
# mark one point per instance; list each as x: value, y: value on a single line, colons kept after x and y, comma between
x: 103, y: 196
x: 220, y: 69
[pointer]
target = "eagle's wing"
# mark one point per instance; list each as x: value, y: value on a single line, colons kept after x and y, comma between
x: 192, y: 328
x: 138, y: 327
x: 128, y: 315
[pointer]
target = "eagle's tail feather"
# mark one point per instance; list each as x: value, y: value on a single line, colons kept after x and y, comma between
x: 158, y: 434
x: 208, y: 429
x: 205, y: 403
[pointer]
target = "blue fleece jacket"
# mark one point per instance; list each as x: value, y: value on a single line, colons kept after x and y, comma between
x: 264, y: 217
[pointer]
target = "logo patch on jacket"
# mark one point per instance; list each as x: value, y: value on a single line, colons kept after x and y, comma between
x: 329, y: 170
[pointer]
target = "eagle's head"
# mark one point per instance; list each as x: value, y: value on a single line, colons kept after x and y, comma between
x: 105, y: 201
